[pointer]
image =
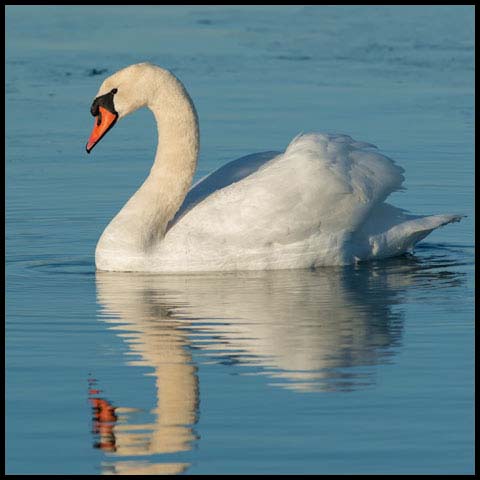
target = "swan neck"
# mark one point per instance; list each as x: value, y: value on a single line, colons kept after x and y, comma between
x: 178, y: 139
x: 142, y: 222
x: 177, y: 151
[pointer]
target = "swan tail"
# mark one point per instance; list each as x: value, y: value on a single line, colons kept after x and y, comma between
x: 403, y: 237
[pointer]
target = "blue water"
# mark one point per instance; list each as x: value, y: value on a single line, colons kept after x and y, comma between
x: 366, y: 369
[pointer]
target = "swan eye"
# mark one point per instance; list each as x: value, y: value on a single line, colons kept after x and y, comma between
x: 105, y: 101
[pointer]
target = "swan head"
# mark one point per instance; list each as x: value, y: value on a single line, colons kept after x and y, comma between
x: 121, y: 94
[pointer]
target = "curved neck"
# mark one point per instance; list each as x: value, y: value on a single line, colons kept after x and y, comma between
x: 143, y: 220
x: 176, y: 156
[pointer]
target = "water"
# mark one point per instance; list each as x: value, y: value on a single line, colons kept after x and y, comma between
x: 365, y: 369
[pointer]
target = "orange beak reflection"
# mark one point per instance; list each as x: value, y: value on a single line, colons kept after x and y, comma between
x: 104, y: 121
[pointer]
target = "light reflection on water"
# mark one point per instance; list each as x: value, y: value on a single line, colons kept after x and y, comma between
x: 323, y: 330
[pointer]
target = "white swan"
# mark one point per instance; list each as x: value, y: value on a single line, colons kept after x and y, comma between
x: 321, y: 202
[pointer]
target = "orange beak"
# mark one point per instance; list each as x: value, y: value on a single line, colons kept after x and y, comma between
x: 104, y: 121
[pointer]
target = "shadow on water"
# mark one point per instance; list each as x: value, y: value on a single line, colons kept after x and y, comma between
x: 306, y: 331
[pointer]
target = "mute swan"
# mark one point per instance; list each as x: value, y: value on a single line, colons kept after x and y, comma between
x: 321, y: 202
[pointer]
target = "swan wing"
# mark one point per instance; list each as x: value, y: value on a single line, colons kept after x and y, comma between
x: 223, y: 177
x: 321, y: 183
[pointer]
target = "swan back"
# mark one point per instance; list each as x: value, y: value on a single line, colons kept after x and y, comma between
x: 298, y: 209
x: 321, y: 183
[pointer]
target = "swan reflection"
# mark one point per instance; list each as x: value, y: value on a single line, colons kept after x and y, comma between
x: 317, y: 330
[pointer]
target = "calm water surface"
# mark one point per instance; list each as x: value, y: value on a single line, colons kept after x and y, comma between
x: 365, y: 369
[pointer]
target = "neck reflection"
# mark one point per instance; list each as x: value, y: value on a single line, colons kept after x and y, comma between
x: 158, y: 340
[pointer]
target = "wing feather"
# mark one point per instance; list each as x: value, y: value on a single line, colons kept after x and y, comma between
x: 322, y: 182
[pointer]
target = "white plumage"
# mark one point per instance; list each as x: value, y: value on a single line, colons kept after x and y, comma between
x: 321, y: 202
